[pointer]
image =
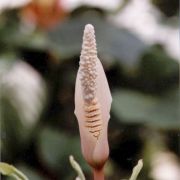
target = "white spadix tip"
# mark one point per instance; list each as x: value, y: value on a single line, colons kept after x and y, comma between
x: 89, y: 27
x: 88, y: 61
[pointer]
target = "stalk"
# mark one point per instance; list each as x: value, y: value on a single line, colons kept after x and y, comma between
x: 98, y: 174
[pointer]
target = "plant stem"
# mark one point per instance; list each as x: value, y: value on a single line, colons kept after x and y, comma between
x: 98, y: 174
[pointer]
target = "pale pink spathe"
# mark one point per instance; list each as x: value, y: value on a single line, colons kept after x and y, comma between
x: 95, y: 151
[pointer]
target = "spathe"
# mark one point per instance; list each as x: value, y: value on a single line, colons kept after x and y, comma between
x: 88, y: 89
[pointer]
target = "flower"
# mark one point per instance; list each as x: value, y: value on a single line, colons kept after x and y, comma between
x: 92, y: 103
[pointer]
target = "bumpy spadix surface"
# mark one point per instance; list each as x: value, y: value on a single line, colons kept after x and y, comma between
x: 88, y: 60
x: 92, y: 102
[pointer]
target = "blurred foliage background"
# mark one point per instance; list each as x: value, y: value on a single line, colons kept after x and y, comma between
x: 40, y: 43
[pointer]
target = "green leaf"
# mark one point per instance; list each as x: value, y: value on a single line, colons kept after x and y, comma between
x: 10, y: 170
x: 134, y: 107
x: 55, y: 147
x: 156, y: 64
x: 13, y: 37
x: 49, y: 141
x: 166, y: 113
